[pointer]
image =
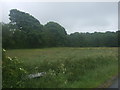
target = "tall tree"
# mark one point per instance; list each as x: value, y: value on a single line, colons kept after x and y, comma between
x: 24, y: 21
x: 54, y: 34
x: 27, y: 29
x: 7, y: 41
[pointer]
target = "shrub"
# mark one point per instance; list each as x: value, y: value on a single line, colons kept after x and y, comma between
x: 12, y: 72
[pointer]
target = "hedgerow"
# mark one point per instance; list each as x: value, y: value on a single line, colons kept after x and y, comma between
x: 12, y: 72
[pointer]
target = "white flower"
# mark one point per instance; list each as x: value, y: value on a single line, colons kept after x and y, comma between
x: 20, y: 68
x: 4, y: 50
x: 9, y: 58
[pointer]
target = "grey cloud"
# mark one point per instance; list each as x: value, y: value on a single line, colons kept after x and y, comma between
x: 74, y: 16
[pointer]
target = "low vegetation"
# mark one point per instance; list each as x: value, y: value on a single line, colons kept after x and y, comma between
x: 68, y: 67
x: 12, y: 72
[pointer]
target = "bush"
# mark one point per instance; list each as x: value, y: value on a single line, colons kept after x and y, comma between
x: 12, y: 72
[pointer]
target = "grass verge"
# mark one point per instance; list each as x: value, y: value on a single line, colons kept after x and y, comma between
x: 69, y: 67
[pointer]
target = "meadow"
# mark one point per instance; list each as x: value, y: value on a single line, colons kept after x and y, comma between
x: 68, y: 67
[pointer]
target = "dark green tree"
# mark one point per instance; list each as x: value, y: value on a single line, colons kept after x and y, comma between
x: 24, y: 21
x: 25, y: 31
x: 54, y: 34
x: 7, y: 36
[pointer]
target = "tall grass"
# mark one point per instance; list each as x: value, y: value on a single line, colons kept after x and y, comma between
x: 69, y: 67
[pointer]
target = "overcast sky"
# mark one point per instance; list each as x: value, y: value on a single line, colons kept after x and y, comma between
x: 74, y: 17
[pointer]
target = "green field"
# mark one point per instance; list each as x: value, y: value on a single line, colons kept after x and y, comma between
x: 68, y: 67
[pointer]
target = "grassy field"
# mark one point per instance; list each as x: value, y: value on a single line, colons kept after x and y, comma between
x: 68, y: 67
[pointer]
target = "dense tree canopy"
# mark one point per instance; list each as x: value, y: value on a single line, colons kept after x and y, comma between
x: 24, y: 21
x: 25, y: 31
x: 54, y: 34
x: 96, y: 39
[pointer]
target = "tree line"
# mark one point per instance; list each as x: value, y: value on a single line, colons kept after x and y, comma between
x: 25, y: 31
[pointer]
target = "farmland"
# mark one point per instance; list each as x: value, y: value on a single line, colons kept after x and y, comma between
x: 68, y: 67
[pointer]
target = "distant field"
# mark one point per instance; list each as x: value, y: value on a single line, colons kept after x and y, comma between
x: 69, y: 67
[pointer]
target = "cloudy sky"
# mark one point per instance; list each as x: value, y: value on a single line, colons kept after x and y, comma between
x: 73, y: 16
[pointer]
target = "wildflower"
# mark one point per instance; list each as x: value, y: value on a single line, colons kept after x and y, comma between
x: 9, y: 58
x: 36, y: 67
x: 15, y: 57
x: 4, y: 50
x: 65, y: 82
x: 22, y: 70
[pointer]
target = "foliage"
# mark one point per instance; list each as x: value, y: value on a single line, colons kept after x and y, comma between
x: 54, y: 34
x: 69, y: 67
x: 13, y: 72
x: 25, y: 31
x: 96, y: 39
x: 23, y: 21
x: 65, y: 67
